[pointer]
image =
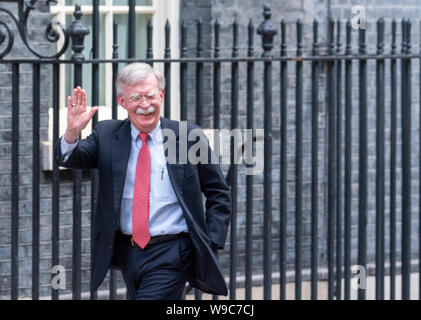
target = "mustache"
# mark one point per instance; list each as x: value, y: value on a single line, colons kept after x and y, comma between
x: 145, y: 111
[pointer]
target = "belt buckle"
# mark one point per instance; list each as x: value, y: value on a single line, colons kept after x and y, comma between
x: 132, y: 241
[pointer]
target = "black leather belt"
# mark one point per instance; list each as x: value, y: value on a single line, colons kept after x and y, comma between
x: 153, y: 240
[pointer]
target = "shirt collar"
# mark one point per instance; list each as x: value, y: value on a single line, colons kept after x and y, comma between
x: 155, y: 134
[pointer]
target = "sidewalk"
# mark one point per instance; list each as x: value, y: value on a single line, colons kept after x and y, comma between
x: 257, y: 292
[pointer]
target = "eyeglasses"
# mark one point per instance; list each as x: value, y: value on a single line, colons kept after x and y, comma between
x: 148, y: 97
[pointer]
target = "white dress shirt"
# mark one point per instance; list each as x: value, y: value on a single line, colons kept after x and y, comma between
x: 166, y: 215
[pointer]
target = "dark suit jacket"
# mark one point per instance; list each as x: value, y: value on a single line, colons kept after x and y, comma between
x: 107, y: 149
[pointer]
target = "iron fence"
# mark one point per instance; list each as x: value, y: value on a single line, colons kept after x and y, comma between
x: 326, y: 58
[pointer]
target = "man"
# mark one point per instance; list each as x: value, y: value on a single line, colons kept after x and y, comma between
x: 149, y: 221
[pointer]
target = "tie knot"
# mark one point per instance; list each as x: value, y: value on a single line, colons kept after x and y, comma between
x: 143, y: 136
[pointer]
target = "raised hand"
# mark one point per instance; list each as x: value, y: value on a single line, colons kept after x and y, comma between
x: 77, y: 115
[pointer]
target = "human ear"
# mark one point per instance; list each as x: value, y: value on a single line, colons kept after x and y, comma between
x: 121, y: 100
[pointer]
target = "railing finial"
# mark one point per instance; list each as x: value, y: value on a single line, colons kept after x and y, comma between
x: 78, y: 31
x: 267, y: 30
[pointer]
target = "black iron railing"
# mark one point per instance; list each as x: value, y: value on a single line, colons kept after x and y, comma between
x: 340, y: 102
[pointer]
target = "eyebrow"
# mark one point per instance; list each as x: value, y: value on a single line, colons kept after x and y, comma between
x: 145, y: 94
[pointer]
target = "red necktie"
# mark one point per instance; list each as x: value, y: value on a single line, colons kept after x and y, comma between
x: 140, y: 215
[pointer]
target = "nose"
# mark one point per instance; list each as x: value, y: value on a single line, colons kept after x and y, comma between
x: 143, y: 103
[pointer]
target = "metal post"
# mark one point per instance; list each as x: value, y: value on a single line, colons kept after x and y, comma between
x: 199, y: 76
x: 55, y: 218
x: 15, y: 184
x: 77, y: 32
x: 249, y: 178
x: 115, y: 71
x: 348, y: 165
x: 149, y: 46
x: 114, y: 115
x: 406, y: 167
x: 331, y: 162
x: 217, y: 79
x: 267, y: 31
x: 35, y: 180
x: 315, y: 75
x: 199, y: 101
x: 234, y: 168
x: 183, y: 73
x: 167, y: 71
x: 393, y: 150
x: 380, y: 162
x: 95, y: 102
x: 298, y: 163
x: 132, y: 29
x: 362, y: 191
x: 283, y: 164
x: 338, y: 289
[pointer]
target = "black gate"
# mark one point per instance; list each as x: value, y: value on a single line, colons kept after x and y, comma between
x: 335, y: 165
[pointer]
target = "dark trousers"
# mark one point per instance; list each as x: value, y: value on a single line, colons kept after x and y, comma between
x: 159, y: 271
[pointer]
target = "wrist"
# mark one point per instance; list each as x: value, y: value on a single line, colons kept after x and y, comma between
x: 71, y: 138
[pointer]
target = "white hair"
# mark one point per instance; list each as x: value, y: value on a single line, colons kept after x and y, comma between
x: 136, y: 72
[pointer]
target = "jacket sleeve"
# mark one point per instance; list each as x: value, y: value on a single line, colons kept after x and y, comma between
x: 83, y: 156
x: 218, y: 202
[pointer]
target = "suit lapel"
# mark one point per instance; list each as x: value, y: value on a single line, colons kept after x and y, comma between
x: 121, y: 146
x: 175, y: 170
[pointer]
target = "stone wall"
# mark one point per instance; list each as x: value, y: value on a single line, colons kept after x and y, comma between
x: 229, y: 10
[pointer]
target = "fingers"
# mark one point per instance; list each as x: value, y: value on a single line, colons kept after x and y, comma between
x: 83, y: 98
x: 87, y: 116
x: 92, y: 112
x: 78, y: 99
x: 74, y: 97
x: 69, y: 103
x: 79, y: 95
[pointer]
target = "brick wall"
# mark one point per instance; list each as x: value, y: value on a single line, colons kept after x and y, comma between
x: 388, y: 10
x: 39, y: 18
x: 226, y: 12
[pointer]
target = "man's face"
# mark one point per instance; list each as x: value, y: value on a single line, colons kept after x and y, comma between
x: 143, y: 103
